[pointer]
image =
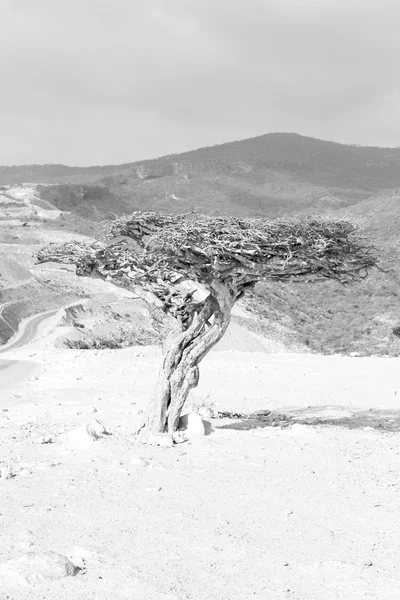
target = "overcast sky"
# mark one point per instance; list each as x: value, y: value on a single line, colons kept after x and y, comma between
x: 111, y: 81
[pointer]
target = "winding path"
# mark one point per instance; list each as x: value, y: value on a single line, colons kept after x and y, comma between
x: 27, y: 331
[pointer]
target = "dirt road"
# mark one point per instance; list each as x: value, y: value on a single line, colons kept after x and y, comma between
x: 27, y: 331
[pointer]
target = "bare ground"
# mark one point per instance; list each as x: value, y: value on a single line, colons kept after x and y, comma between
x: 302, y: 507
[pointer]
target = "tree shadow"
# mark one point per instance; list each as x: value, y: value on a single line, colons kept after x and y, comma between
x: 328, y: 416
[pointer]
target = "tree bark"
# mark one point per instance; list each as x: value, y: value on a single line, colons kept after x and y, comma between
x: 182, y: 354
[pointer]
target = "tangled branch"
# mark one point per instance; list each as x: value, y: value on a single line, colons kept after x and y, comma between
x: 158, y: 252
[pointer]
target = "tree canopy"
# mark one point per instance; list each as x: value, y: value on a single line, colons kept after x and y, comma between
x: 158, y: 251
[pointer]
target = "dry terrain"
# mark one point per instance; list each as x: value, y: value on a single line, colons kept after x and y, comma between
x: 302, y: 506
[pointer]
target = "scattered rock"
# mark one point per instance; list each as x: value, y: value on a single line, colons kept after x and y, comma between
x: 38, y: 567
x: 193, y: 425
x: 160, y: 439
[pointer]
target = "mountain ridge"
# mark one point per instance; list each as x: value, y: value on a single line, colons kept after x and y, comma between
x: 271, y: 175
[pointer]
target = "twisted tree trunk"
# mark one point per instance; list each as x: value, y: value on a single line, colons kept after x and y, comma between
x: 183, y: 352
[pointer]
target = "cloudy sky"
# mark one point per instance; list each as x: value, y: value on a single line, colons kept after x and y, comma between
x: 110, y: 81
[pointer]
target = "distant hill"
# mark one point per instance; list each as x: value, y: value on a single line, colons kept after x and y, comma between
x: 271, y: 175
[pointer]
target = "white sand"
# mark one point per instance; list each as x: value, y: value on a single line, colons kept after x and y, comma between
x: 303, y: 513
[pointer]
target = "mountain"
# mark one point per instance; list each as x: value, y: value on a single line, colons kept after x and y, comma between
x: 271, y: 175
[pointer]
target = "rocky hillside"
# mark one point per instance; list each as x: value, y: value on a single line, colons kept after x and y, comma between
x: 271, y: 175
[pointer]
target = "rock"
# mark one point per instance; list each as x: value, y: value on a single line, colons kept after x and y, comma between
x: 46, y: 439
x: 354, y: 354
x: 82, y: 437
x: 179, y: 437
x: 96, y: 429
x: 193, y: 425
x: 78, y: 562
x: 38, y: 567
x: 160, y: 439
x: 263, y: 412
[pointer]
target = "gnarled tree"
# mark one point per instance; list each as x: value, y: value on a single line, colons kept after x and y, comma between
x: 195, y: 268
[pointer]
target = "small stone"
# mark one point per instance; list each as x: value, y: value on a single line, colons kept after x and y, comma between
x: 79, y: 562
x: 160, y: 439
x: 46, y: 439
x: 96, y: 429
x: 82, y: 437
x: 193, y: 425
x: 180, y: 437
x: 369, y: 563
x: 38, y: 567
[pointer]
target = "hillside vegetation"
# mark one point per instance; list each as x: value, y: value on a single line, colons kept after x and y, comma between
x: 270, y: 176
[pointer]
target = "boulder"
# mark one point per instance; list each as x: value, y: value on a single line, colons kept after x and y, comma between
x: 193, y: 425
x: 38, y: 567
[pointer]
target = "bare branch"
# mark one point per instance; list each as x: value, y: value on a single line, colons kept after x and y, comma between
x: 158, y: 252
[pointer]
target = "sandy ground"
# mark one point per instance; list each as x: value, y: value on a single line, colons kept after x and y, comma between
x: 298, y: 512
